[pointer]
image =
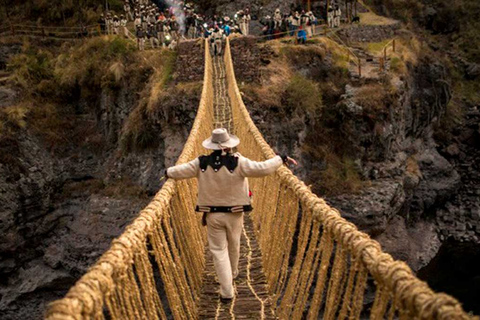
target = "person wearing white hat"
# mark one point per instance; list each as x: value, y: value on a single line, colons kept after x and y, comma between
x: 336, y: 16
x: 116, y: 25
x: 277, y: 18
x: 223, y: 197
x: 330, y: 17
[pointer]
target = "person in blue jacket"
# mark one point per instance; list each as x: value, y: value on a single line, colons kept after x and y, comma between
x: 301, y: 35
x: 226, y: 29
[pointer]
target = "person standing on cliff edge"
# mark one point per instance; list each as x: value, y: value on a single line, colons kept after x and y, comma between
x: 223, y: 197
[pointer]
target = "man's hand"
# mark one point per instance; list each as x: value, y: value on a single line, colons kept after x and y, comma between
x: 291, y: 161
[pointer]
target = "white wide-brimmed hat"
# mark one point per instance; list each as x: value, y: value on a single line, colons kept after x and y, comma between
x: 221, y: 139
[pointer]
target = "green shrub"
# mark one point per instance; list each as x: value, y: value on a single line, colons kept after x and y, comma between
x: 376, y: 100
x: 340, y: 176
x: 397, y: 65
x: 30, y: 67
x: 304, y: 94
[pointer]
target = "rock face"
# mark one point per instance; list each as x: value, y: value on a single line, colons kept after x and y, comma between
x: 369, y: 33
x: 60, y: 210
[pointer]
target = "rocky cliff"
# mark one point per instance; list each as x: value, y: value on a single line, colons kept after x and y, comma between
x: 63, y: 204
x: 417, y: 193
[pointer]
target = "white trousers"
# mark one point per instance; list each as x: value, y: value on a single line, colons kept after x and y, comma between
x: 141, y: 44
x: 309, y: 31
x: 244, y: 28
x: 330, y: 20
x: 337, y: 21
x: 218, y: 46
x: 224, y: 232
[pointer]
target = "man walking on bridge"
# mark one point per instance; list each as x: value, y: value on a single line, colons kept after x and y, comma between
x: 223, y: 197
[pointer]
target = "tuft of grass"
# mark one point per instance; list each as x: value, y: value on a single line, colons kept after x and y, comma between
x: 143, y: 126
x: 338, y: 174
x: 376, y: 48
x: 299, y: 54
x: 117, y: 70
x: 139, y: 130
x: 161, y: 77
x: 398, y: 66
x: 30, y: 67
x: 412, y: 167
x: 304, y: 94
x: 375, y: 99
x: 338, y: 52
x: 13, y: 118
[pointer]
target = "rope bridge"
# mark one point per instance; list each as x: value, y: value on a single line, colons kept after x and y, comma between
x: 316, y: 264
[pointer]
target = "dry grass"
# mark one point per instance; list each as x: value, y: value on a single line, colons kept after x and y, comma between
x: 413, y: 167
x: 376, y: 48
x: 286, y: 93
x: 303, y: 94
x: 98, y: 63
x: 117, y: 70
x: 339, y: 174
x: 276, y: 76
x: 398, y: 66
x: 13, y: 118
x: 375, y: 99
x: 339, y: 53
x: 164, y: 64
x: 30, y: 67
x: 408, y: 50
x: 372, y: 19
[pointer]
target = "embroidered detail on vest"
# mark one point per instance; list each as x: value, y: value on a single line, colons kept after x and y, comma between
x: 216, y: 160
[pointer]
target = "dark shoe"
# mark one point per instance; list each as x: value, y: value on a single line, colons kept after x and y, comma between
x: 225, y: 300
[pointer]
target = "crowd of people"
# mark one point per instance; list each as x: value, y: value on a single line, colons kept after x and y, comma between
x: 165, y: 28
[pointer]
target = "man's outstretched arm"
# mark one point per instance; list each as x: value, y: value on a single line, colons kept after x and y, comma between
x: 183, y: 171
x: 251, y: 168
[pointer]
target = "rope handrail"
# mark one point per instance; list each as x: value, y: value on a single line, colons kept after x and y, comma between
x: 396, y: 283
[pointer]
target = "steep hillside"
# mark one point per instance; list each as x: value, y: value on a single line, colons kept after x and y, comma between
x: 397, y: 152
x: 86, y: 131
